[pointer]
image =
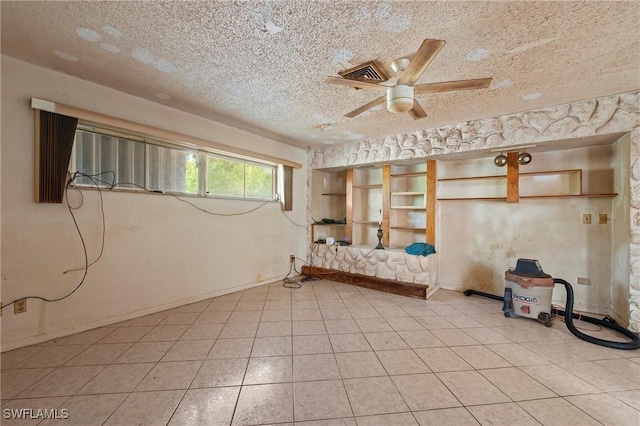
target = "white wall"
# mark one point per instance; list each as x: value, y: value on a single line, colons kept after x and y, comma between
x: 159, y: 252
x: 479, y: 240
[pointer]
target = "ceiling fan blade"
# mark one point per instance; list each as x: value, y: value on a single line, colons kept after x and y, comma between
x: 354, y: 83
x: 421, y: 61
x: 417, y: 112
x: 449, y: 86
x: 363, y: 108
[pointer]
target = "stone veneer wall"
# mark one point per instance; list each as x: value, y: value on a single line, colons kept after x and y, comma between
x: 610, y: 114
x: 387, y: 264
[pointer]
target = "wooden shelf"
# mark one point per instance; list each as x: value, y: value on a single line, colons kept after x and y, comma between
x: 407, y: 207
x: 367, y: 186
x: 571, y: 196
x: 472, y: 178
x: 474, y: 198
x: 552, y: 172
x: 366, y: 222
x: 408, y: 193
x: 328, y: 224
x: 409, y: 174
x: 408, y: 228
x: 334, y: 193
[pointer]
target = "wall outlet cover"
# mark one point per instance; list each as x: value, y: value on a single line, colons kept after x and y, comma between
x: 586, y: 219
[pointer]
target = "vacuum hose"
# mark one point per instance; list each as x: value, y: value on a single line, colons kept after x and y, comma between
x: 607, y: 322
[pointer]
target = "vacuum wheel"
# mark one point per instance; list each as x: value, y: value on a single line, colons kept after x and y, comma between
x: 545, y: 318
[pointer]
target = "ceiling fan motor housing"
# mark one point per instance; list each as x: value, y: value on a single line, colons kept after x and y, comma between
x: 400, y: 98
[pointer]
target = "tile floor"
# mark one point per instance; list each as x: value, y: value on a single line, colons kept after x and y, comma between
x: 326, y: 354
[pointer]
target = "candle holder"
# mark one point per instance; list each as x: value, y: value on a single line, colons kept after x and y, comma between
x: 380, y: 234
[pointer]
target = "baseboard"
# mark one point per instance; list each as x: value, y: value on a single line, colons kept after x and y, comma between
x: 102, y: 322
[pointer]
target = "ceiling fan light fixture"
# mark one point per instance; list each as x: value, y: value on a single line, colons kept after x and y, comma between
x: 400, y: 98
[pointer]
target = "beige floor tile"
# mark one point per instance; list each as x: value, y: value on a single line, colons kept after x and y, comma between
x: 188, y: 350
x: 591, y: 352
x: 349, y: 343
x: 146, y: 321
x: 87, y: 337
x: 442, y: 359
x: 180, y: 318
x: 606, y: 409
x: 245, y: 316
x: 374, y: 395
x: 239, y: 330
x: 363, y: 313
x: 274, y: 328
x: 144, y: 352
x: 373, y: 325
x: 502, y: 414
x: 231, y: 348
x: 276, y: 369
x: 404, y: 324
x: 306, y: 315
x: 202, y: 332
x: 629, y: 397
x: 389, y: 312
x: 62, y: 381
x: 304, y: 328
x: 193, y: 307
x: 454, y: 337
x: 424, y: 392
x: 12, y: 358
x: 308, y: 368
x: 385, y: 340
x: 517, y: 385
x: 52, y: 356
x: 213, y: 317
x: 356, y: 302
x: 34, y: 405
x: 331, y: 304
x: 341, y: 326
x: 517, y: 355
x: 557, y: 411
x: 445, y: 310
x: 627, y: 368
x: 126, y: 335
x: 399, y: 419
x: 231, y: 297
x: 304, y: 304
x: 486, y: 336
x: 471, y: 388
x: 277, y: 305
x: 330, y: 422
x: 420, y: 339
x: 402, y: 361
x: 170, y: 375
x: 249, y: 306
x: 446, y: 417
x: 498, y: 320
x: 306, y: 345
x: 211, y: 407
x: 155, y: 408
x: 221, y: 306
x: 463, y: 321
x: 164, y: 333
x: 88, y: 410
x: 278, y: 315
x: 335, y: 314
x: 418, y: 311
x: 359, y: 364
x: 605, y: 379
x: 559, y: 380
x: 320, y: 400
x: 220, y: 372
x: 434, y: 322
x: 272, y: 346
x: 117, y: 378
x: 264, y: 404
x: 15, y: 381
x: 100, y: 354
x: 480, y: 357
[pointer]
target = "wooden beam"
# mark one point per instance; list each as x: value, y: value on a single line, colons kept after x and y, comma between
x: 386, y: 203
x: 375, y: 283
x: 513, y: 177
x: 348, y: 229
x: 431, y: 201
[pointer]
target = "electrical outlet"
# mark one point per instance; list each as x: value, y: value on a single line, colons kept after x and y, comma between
x: 292, y: 258
x: 584, y: 281
x: 586, y: 219
x: 602, y: 219
x: 20, y: 306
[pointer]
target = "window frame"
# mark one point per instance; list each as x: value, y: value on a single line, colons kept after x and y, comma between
x: 201, y: 154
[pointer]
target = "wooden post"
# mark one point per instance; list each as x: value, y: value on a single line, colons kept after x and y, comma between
x: 348, y: 229
x: 386, y: 203
x: 513, y: 177
x: 431, y: 201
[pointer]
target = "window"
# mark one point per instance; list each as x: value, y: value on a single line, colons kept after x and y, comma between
x: 154, y: 167
x: 232, y: 177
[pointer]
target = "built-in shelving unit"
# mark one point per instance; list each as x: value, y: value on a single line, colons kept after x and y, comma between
x: 329, y: 201
x: 367, y: 205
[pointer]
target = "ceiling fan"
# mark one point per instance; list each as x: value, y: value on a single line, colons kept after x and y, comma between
x: 400, y: 97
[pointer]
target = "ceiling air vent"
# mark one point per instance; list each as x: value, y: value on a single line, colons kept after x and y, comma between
x: 368, y: 71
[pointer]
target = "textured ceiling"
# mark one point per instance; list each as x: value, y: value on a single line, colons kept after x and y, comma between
x: 260, y: 66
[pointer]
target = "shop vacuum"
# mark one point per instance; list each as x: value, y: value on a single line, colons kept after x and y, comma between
x: 528, y: 292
